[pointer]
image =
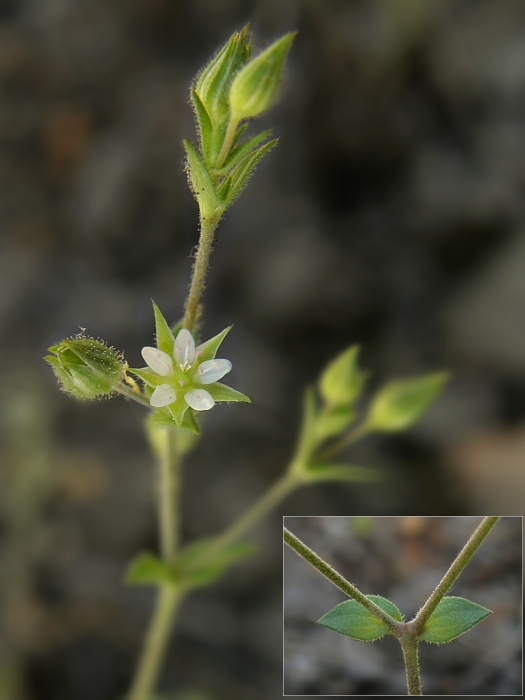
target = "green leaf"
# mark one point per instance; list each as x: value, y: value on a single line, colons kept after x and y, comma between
x: 148, y: 569
x: 342, y: 472
x: 236, y: 181
x: 237, y: 154
x: 342, y: 381
x: 333, y: 421
x: 163, y: 335
x: 254, y: 87
x: 208, y: 350
x: 201, y: 566
x: 452, y: 617
x: 201, y: 183
x: 221, y: 392
x: 399, y: 404
x: 353, y: 620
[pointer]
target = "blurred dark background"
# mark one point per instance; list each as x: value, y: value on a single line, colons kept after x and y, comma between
x: 403, y: 559
x: 391, y: 214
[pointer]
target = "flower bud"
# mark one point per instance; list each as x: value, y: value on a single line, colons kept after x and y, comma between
x: 86, y: 368
x: 254, y: 87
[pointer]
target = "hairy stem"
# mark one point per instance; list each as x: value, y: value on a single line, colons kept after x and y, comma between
x: 258, y: 510
x: 169, y: 464
x: 228, y: 140
x: 156, y: 642
x: 200, y: 268
x: 130, y: 394
x: 418, y: 624
x: 410, y: 654
x: 395, y: 627
x: 345, y: 441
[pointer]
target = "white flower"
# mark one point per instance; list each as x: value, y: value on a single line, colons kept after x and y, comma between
x: 184, y: 373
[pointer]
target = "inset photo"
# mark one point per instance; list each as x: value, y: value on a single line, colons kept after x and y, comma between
x: 402, y: 605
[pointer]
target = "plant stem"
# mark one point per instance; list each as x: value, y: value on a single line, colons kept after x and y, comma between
x: 258, y: 510
x: 409, y: 644
x: 200, y: 268
x: 228, y: 140
x: 395, y: 627
x: 169, y: 465
x: 169, y: 595
x: 345, y: 441
x: 418, y: 623
x: 156, y: 642
x: 130, y: 394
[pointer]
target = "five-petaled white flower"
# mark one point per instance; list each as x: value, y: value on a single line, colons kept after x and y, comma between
x: 184, y: 374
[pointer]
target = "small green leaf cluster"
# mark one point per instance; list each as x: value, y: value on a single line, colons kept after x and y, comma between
x: 199, y: 564
x: 87, y: 368
x: 330, y: 415
x: 230, y: 89
x: 452, y: 617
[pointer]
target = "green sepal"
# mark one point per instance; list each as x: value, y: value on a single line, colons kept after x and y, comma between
x: 189, y: 422
x: 201, y: 183
x: 178, y: 410
x: 333, y: 421
x: 204, y: 126
x: 234, y: 183
x: 255, y: 85
x: 213, y: 82
x: 208, y: 350
x: 86, y: 368
x: 148, y: 376
x: 353, y: 620
x: 399, y: 404
x: 342, y: 381
x: 163, y: 335
x: 147, y: 569
x: 342, y: 472
x: 237, y: 154
x: 452, y: 618
x: 221, y: 392
x: 200, y: 566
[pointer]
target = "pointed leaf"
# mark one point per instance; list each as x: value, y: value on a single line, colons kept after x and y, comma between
x: 148, y: 569
x: 208, y: 350
x: 452, y: 617
x: 221, y: 392
x: 341, y: 472
x: 399, y: 404
x: 342, y: 381
x: 353, y: 620
x: 237, y: 180
x: 163, y: 335
x: 201, y: 183
x: 237, y: 154
x: 201, y: 566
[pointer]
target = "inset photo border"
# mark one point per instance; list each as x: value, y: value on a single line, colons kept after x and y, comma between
x: 394, y: 605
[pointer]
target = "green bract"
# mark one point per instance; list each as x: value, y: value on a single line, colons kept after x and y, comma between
x: 452, y: 617
x: 86, y: 368
x: 398, y: 405
x: 353, y: 620
x: 342, y: 381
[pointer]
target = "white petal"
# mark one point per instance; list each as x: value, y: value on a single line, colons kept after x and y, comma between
x: 157, y: 360
x: 212, y: 370
x: 184, y: 349
x: 163, y: 395
x: 199, y: 399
